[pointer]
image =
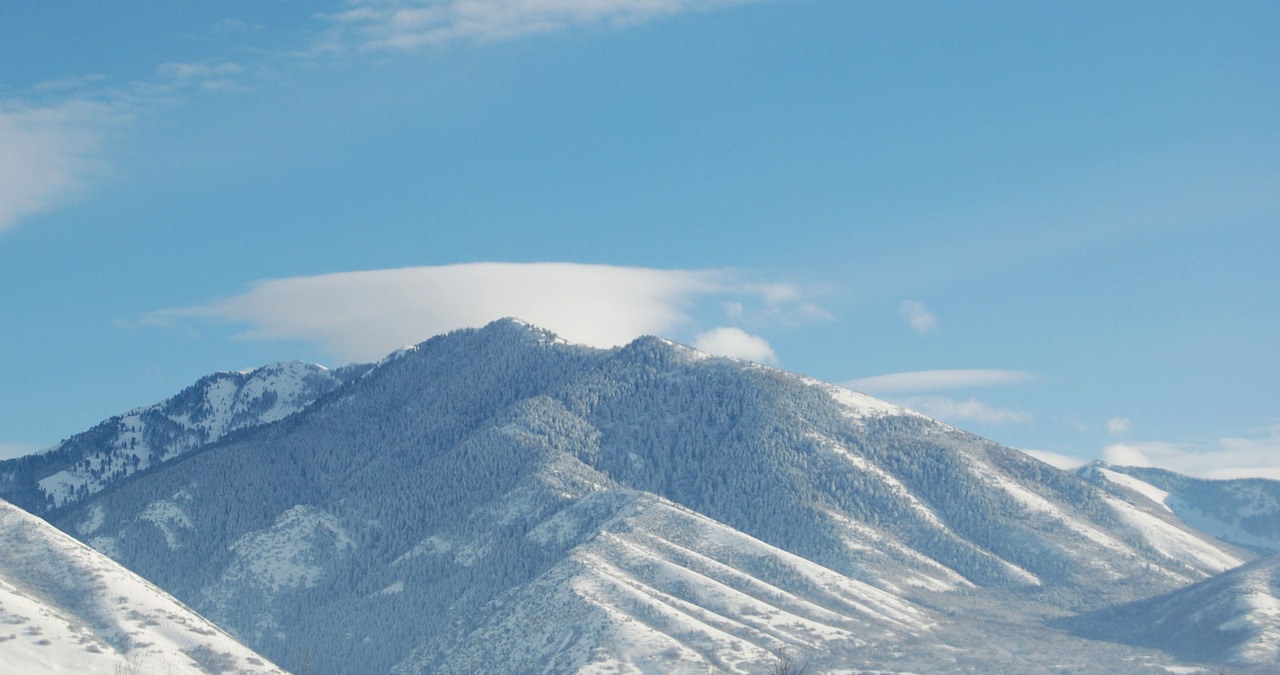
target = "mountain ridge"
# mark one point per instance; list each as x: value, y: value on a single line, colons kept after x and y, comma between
x: 430, y: 487
x: 204, y: 412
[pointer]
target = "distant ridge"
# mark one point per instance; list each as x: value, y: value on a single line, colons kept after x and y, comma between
x: 148, y: 436
x: 1242, y: 511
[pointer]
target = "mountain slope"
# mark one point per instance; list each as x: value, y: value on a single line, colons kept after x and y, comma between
x: 66, y: 608
x: 657, y: 587
x: 1231, y: 618
x: 408, y: 513
x: 206, y: 411
x: 1243, y: 511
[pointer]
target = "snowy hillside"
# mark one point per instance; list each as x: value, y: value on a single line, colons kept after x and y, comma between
x: 139, y: 439
x: 64, y: 608
x: 658, y: 588
x: 1243, y: 511
x: 651, y: 507
x: 1231, y: 618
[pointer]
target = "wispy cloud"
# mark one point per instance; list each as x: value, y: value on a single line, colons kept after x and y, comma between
x: 938, y: 380
x: 47, y: 154
x: 918, y: 317
x: 1230, y: 457
x: 51, y: 143
x: 364, y: 315
x: 208, y: 75
x: 49, y: 151
x: 404, y: 25
x: 737, y: 343
x: 896, y: 386
x: 65, y: 84
x: 785, y: 303
x: 958, y: 411
x: 188, y: 71
x: 1119, y: 426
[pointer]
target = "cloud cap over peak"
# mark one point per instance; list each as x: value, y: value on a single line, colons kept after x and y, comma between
x: 361, y: 316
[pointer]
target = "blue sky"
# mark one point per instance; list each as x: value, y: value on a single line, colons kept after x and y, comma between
x: 1053, y: 224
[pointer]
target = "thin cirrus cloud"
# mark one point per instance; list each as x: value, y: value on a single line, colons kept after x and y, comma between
x: 210, y: 76
x: 967, y: 410
x: 912, y: 389
x: 938, y: 380
x: 48, y: 154
x: 361, y: 316
x: 384, y: 25
x: 51, y: 151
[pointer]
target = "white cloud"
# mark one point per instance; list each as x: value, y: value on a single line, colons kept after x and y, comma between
x: 401, y: 25
x: 69, y: 83
x: 736, y: 343
x: 9, y: 449
x: 1134, y: 454
x: 942, y: 407
x: 1119, y: 426
x: 364, y: 315
x: 49, y: 151
x: 210, y: 75
x: 199, y: 71
x: 1231, y: 457
x: 937, y: 380
x: 784, y: 303
x: 47, y: 154
x: 969, y: 410
x: 918, y: 317
x: 1057, y: 459
x: 236, y: 27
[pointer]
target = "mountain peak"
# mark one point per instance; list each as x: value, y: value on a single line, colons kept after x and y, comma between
x: 514, y: 326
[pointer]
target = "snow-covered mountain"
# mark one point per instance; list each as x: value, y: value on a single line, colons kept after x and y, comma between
x: 1243, y: 511
x: 205, y: 412
x: 65, y: 608
x: 1231, y: 618
x: 497, y: 500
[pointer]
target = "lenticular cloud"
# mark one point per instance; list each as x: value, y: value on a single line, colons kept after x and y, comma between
x: 364, y: 315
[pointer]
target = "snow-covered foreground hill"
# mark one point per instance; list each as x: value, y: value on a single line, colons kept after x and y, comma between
x: 1231, y: 618
x: 65, y: 608
x: 496, y: 500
